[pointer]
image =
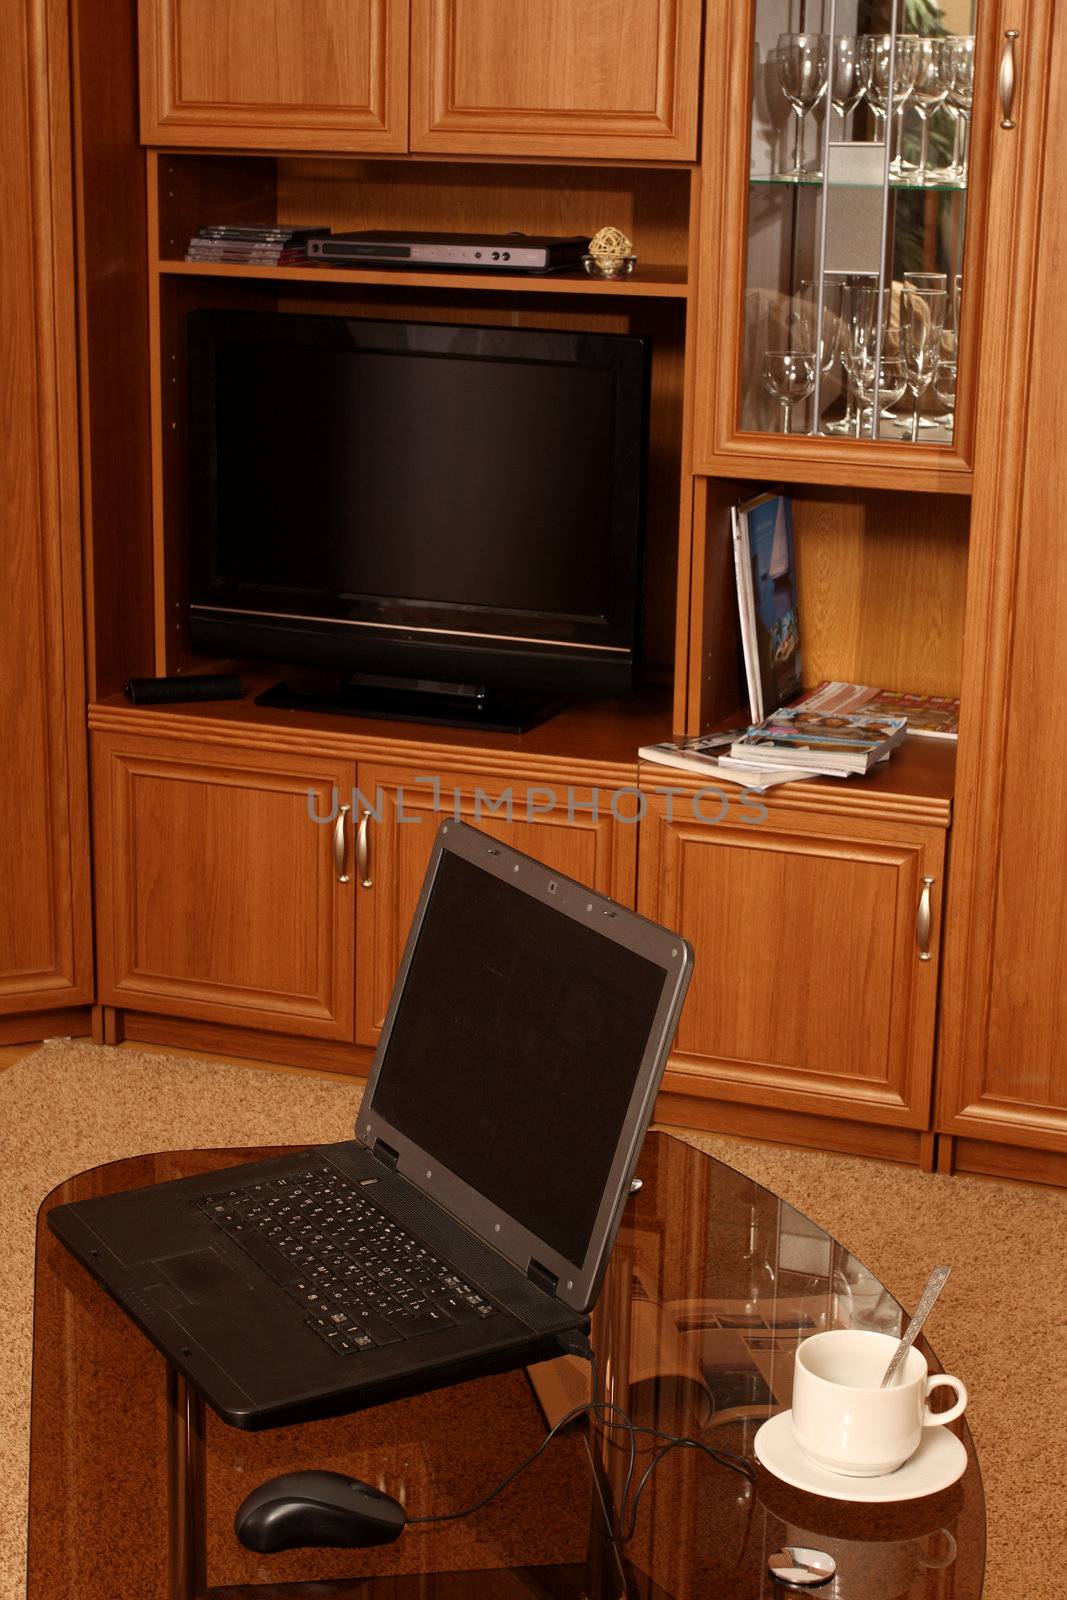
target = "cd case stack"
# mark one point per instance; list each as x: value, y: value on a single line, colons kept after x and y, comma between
x: 267, y: 246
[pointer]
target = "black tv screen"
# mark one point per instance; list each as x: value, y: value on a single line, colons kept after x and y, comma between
x: 419, y: 498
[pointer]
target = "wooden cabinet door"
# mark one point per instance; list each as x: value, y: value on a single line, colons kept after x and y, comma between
x: 399, y: 819
x: 219, y: 895
x: 45, y: 932
x: 275, y: 74
x: 808, y: 991
x: 583, y: 78
x: 1002, y: 1075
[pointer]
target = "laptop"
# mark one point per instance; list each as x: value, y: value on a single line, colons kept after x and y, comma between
x: 467, y: 1226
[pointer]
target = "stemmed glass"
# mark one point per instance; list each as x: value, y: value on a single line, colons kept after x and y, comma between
x: 889, y: 72
x: 801, y: 61
x: 847, y: 84
x: 935, y: 284
x: 908, y: 64
x: 857, y: 330
x: 789, y: 376
x: 945, y: 388
x: 928, y: 93
x: 922, y: 324
x: 957, y: 75
x: 958, y: 70
x: 875, y: 377
x: 815, y: 325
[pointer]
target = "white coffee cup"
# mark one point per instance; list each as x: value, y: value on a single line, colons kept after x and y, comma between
x: 844, y: 1421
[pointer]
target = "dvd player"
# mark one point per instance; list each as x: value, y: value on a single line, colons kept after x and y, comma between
x: 495, y: 252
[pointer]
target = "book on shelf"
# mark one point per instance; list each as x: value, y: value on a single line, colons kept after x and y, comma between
x: 932, y: 716
x: 832, y: 743
x: 707, y: 756
x: 765, y: 574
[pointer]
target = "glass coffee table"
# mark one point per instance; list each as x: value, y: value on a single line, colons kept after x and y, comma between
x: 713, y: 1281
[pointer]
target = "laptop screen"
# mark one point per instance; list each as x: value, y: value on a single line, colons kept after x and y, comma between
x: 515, y: 1050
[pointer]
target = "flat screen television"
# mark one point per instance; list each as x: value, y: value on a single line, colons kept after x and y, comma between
x: 444, y: 521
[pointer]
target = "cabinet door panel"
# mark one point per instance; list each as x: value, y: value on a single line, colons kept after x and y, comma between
x: 1002, y: 1074
x: 808, y: 993
x: 45, y: 938
x: 556, y: 77
x: 219, y: 894
x: 299, y: 74
x: 597, y: 850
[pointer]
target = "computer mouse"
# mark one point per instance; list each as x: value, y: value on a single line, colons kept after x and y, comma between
x: 317, y: 1508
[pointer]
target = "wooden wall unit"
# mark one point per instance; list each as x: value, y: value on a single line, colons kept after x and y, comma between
x: 923, y: 568
x: 45, y: 934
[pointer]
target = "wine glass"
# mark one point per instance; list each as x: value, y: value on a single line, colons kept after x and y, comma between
x: 789, y: 376
x: 944, y: 388
x: 922, y: 323
x: 815, y: 323
x: 889, y: 71
x: 958, y: 72
x: 928, y: 93
x: 801, y: 62
x: 858, y: 327
x: 881, y: 378
x: 847, y: 84
x: 907, y: 65
x: 933, y: 283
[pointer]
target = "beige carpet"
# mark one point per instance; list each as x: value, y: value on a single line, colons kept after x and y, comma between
x: 1001, y: 1325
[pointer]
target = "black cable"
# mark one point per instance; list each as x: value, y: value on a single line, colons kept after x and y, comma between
x: 564, y: 1422
x: 612, y: 1416
x: 735, y: 1463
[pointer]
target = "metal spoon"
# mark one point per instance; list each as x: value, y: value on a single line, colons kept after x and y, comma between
x: 934, y: 1285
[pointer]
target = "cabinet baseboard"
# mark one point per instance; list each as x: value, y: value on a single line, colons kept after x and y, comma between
x: 771, y: 1126
x: 30, y: 1027
x: 217, y: 1039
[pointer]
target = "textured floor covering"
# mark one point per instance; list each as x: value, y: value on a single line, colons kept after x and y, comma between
x: 1001, y: 1324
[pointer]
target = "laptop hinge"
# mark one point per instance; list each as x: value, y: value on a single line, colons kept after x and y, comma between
x: 386, y: 1154
x: 545, y: 1280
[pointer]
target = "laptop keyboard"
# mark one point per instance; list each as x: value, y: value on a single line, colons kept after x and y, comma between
x: 364, y: 1280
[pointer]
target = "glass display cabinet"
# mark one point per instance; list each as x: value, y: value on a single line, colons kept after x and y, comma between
x: 838, y: 203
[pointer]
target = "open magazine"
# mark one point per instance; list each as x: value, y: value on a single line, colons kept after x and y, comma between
x: 931, y: 716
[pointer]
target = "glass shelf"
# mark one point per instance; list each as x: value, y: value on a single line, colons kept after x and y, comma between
x: 814, y: 181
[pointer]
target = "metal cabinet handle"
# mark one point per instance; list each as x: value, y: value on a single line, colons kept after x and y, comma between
x: 1007, y: 77
x: 340, y: 845
x: 923, y: 921
x: 363, y: 853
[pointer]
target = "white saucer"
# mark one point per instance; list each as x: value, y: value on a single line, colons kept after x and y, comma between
x: 940, y: 1459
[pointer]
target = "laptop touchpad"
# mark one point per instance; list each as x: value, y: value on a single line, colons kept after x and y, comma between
x: 203, y: 1275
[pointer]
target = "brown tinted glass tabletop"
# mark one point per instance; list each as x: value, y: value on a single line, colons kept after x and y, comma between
x: 713, y: 1281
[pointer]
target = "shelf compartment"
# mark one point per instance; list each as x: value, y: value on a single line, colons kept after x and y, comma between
x: 661, y: 320
x: 881, y: 588
x: 655, y: 282
x: 193, y: 189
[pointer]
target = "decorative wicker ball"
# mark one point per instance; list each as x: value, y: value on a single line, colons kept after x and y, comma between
x: 610, y: 244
